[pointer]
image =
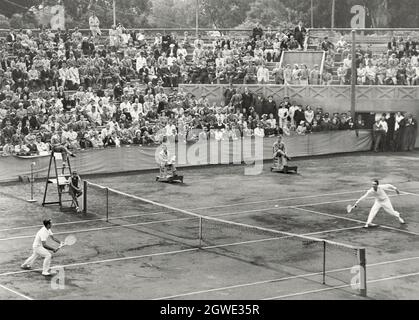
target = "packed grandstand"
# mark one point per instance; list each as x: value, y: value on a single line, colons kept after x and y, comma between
x: 123, y: 88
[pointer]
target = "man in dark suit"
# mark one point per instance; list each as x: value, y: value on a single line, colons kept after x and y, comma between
x: 228, y: 94
x: 300, y: 33
x: 257, y: 31
x: 259, y: 103
x: 11, y: 37
x: 269, y: 107
x: 247, y: 99
x: 299, y: 115
x: 389, y: 143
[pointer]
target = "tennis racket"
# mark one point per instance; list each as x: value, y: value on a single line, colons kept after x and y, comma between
x: 68, y: 241
x: 349, y: 208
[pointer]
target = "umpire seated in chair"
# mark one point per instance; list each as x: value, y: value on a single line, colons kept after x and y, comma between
x: 280, y: 158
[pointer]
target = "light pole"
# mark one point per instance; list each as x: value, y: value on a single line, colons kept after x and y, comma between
x: 333, y: 13
x: 31, y: 182
x: 354, y: 76
x: 197, y: 19
x: 114, y: 13
x: 312, y: 14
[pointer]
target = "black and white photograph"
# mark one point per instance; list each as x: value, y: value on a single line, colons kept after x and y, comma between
x: 216, y: 153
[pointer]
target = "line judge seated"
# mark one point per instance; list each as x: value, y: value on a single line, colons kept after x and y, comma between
x: 167, y: 161
x: 280, y: 157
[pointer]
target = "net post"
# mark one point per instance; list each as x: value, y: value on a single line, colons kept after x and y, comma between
x: 363, y: 272
x: 324, y: 262
x: 107, y: 204
x: 200, y: 232
x: 84, y: 196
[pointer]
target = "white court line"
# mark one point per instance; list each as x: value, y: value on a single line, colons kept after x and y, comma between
x: 342, y: 286
x: 156, y: 213
x: 297, y: 207
x: 16, y: 293
x: 84, y: 221
x: 201, y: 208
x: 291, y: 207
x: 409, y: 193
x: 101, y: 228
x: 173, y: 252
x: 219, y: 215
x: 359, y: 221
x: 285, y: 279
x: 283, y: 199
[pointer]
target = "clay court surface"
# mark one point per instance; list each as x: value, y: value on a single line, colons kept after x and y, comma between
x: 134, y: 256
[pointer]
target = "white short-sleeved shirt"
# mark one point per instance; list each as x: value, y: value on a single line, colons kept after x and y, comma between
x: 42, y: 235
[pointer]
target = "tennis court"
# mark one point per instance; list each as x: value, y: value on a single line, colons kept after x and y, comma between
x: 223, y: 235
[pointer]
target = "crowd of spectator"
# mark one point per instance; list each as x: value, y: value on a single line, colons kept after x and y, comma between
x: 394, y: 132
x: 136, y: 116
x: 71, y: 59
x: 397, y: 65
x: 70, y: 86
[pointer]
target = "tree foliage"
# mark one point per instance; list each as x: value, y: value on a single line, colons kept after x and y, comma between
x: 221, y: 13
x: 173, y: 13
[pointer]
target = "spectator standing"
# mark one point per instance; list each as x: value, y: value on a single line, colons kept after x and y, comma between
x: 257, y: 31
x: 327, y: 46
x: 399, y: 122
x: 283, y: 114
x: 309, y: 115
x: 247, y: 99
x: 269, y: 107
x: 314, y: 77
x: 94, y: 25
x: 263, y: 74
x: 377, y: 134
x: 410, y: 133
x: 304, y: 75
x: 299, y: 34
x: 278, y: 74
x: 299, y: 115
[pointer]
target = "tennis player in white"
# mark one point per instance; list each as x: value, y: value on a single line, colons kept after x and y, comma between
x: 40, y: 248
x: 381, y: 201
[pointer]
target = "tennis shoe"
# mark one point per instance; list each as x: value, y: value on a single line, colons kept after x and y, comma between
x: 25, y: 267
x: 402, y: 221
x: 369, y: 226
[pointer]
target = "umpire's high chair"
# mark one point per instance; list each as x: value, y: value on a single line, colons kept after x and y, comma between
x: 59, y: 176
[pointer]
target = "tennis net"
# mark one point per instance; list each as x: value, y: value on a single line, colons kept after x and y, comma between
x: 334, y: 264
